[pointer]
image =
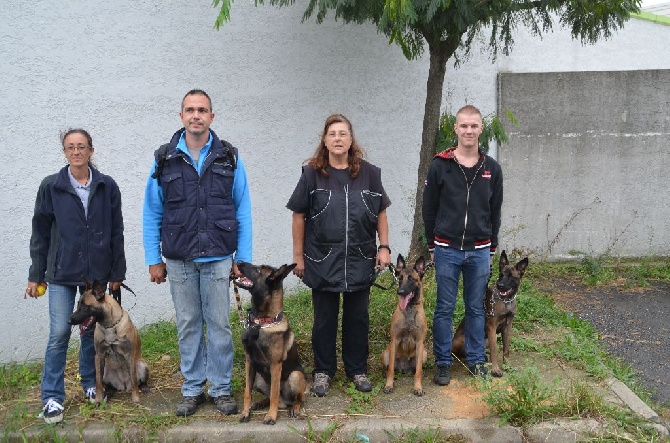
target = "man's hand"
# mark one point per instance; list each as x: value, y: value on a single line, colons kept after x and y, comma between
x: 157, y: 273
x: 114, y: 285
x: 383, y: 259
x: 299, y: 270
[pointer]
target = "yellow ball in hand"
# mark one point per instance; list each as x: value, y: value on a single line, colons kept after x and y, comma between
x: 41, y: 289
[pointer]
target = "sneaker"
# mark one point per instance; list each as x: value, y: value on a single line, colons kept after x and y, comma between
x: 362, y: 383
x: 442, y: 375
x: 225, y: 404
x: 189, y: 404
x: 321, y: 384
x: 478, y: 370
x: 52, y: 412
x: 90, y: 394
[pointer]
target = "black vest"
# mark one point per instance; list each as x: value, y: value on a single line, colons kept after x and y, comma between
x: 340, y: 230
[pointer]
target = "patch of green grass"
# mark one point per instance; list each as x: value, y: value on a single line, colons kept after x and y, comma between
x: 17, y: 378
x: 429, y: 435
x: 314, y: 436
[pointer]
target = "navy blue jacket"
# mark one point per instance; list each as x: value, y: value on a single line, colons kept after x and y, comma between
x: 66, y: 245
x: 199, y: 211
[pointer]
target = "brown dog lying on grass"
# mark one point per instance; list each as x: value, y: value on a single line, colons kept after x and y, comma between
x: 406, y: 351
x: 118, y: 350
x: 500, y: 305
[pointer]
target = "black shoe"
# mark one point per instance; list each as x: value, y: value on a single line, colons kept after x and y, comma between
x: 442, y: 375
x: 478, y: 370
x: 189, y: 404
x: 321, y: 384
x: 225, y: 404
x: 362, y: 383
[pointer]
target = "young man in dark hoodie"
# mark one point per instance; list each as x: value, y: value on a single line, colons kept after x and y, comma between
x: 462, y: 200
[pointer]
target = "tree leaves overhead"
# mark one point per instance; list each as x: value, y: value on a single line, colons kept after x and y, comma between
x: 412, y: 23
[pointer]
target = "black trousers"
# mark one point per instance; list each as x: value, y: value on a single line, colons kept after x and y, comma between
x: 355, y: 331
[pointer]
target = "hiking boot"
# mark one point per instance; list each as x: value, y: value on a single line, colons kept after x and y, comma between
x: 478, y: 370
x: 189, y: 404
x: 362, y: 383
x: 442, y: 375
x: 321, y: 384
x: 52, y: 412
x: 225, y: 404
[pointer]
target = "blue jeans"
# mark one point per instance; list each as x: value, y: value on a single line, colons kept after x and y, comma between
x: 449, y: 264
x: 200, y: 293
x: 61, y: 304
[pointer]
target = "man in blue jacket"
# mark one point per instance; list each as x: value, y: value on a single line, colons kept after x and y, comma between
x: 197, y: 214
x: 462, y: 200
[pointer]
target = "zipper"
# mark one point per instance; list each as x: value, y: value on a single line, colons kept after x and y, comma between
x: 346, y: 232
x: 467, y: 197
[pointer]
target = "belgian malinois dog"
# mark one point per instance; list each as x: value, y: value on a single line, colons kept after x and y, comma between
x: 272, y: 364
x: 118, y: 350
x: 406, y: 351
x: 500, y: 306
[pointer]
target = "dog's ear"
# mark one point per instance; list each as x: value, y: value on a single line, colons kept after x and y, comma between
x: 420, y: 266
x: 280, y: 274
x: 88, y: 283
x: 503, y: 262
x: 521, y: 266
x: 98, y: 290
x: 400, y: 264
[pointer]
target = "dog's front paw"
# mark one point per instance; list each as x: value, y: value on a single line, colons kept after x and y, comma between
x: 244, y: 417
x: 418, y: 392
x: 269, y: 420
x: 496, y: 372
x: 388, y: 389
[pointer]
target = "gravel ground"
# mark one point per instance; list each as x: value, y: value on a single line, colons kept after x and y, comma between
x: 633, y: 322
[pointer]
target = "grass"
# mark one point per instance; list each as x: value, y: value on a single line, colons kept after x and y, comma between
x: 522, y: 398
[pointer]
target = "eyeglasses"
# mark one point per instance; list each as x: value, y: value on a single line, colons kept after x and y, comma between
x: 78, y: 148
x: 341, y: 134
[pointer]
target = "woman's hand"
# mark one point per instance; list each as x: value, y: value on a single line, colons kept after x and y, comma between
x: 383, y: 259
x: 299, y: 270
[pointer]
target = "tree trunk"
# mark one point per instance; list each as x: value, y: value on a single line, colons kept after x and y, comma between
x: 440, y: 53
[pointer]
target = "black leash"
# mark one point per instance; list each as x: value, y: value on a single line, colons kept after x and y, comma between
x: 244, y: 318
x: 393, y: 283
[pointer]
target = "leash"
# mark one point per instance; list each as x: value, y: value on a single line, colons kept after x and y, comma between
x: 393, y: 274
x: 244, y: 318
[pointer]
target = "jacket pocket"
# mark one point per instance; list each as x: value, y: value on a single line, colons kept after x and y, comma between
x: 222, y: 183
x: 173, y: 187
x: 324, y: 267
x: 372, y: 202
x: 226, y: 230
x: 361, y: 259
x: 172, y: 239
x: 319, y: 200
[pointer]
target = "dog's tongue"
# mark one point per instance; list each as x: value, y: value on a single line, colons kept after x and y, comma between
x: 86, y: 324
x: 405, y: 300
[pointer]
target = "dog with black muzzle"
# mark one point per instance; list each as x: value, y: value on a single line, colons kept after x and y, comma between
x: 406, y: 352
x: 272, y: 364
x: 118, y: 351
x: 500, y: 305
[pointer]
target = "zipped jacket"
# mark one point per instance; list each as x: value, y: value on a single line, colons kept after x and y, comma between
x: 340, y: 230
x: 67, y: 245
x: 459, y: 214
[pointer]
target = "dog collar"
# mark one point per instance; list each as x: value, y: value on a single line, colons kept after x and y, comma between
x: 265, y: 322
x: 117, y: 322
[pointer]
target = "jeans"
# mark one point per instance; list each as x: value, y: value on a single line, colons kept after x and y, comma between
x: 61, y: 304
x: 355, y: 331
x: 449, y: 264
x: 200, y: 293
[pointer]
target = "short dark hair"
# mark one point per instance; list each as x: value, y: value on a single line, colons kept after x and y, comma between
x: 197, y: 92
x: 469, y: 109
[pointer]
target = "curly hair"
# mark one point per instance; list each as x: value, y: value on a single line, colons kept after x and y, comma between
x: 319, y: 159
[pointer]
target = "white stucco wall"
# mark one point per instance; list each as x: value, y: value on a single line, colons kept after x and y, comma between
x: 120, y: 69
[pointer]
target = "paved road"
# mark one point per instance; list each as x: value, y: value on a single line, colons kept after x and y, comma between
x: 634, y: 323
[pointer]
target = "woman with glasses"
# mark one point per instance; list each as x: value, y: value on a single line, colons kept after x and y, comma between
x: 339, y: 209
x: 77, y: 233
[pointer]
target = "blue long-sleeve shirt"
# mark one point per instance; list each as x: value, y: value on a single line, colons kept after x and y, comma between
x: 152, y: 214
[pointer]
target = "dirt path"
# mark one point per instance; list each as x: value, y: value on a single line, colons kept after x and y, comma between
x: 633, y: 322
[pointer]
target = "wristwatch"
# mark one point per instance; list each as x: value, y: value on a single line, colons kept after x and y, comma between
x: 387, y: 247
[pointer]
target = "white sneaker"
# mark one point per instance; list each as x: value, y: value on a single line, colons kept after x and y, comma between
x: 90, y: 394
x: 52, y: 412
